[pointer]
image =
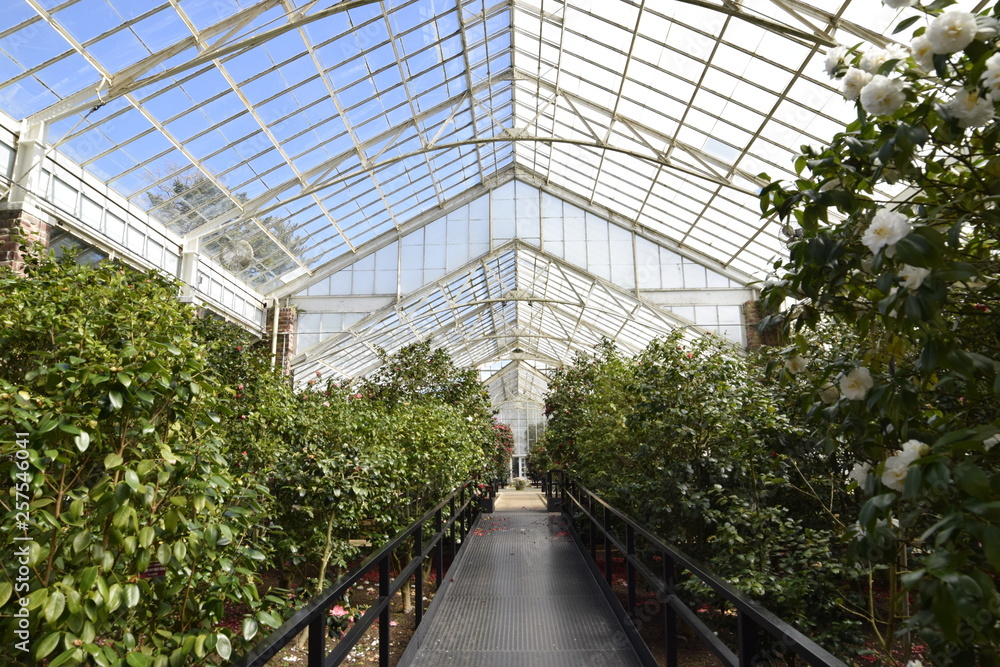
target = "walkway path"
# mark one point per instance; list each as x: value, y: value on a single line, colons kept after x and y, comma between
x: 520, y: 595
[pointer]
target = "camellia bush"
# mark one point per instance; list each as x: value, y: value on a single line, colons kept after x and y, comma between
x: 899, y: 223
x: 128, y: 525
x: 691, y: 439
x: 158, y: 469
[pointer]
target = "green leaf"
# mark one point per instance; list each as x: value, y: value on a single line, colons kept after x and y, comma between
x: 66, y: 656
x: 5, y: 590
x: 47, y: 645
x: 112, y: 460
x: 82, y: 441
x: 146, y: 536
x: 115, y: 398
x: 905, y: 23
x: 54, y: 606
x: 973, y: 480
x: 87, y: 578
x: 991, y: 544
x: 915, y: 249
x: 125, y: 379
x: 946, y: 612
x: 131, y: 595
x: 132, y: 480
x: 223, y: 647
x: 249, y: 628
x: 136, y: 659
x: 269, y: 619
x: 81, y: 540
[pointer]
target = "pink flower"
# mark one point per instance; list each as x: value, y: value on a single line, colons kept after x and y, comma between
x: 393, y: 623
x: 239, y: 348
x: 243, y: 416
x: 338, y: 611
x: 239, y: 386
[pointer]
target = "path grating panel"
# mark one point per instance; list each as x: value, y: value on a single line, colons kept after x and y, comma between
x: 521, y: 596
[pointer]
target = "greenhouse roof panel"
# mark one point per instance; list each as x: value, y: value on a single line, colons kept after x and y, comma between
x: 310, y: 127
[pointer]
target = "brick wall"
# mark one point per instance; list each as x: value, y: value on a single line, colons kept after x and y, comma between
x: 752, y: 316
x: 286, y: 336
x: 17, y: 228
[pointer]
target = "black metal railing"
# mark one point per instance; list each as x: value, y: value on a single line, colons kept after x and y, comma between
x: 753, y: 620
x: 461, y: 511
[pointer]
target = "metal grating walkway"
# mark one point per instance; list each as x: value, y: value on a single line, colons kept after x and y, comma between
x: 520, y: 595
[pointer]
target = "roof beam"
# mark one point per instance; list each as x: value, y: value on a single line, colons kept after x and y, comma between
x: 127, y: 81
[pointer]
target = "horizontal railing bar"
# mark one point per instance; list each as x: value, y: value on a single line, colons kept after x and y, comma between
x: 697, y: 626
x: 273, y: 643
x: 352, y: 636
x: 767, y: 621
x: 716, y: 645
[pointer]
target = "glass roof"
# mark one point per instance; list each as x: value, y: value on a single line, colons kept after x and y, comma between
x: 308, y: 128
x: 513, y: 303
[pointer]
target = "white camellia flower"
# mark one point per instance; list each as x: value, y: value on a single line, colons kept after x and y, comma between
x: 915, y: 663
x: 887, y: 229
x: 796, y: 364
x: 987, y: 27
x: 882, y: 96
x: 835, y: 60
x: 895, y: 471
x: 913, y: 276
x: 991, y: 77
x: 872, y: 60
x: 854, y: 80
x: 952, y: 31
x: 829, y: 393
x: 897, y: 466
x: 860, y: 473
x: 855, y: 385
x: 899, y: 4
x: 923, y: 53
x: 914, y: 449
x: 970, y: 109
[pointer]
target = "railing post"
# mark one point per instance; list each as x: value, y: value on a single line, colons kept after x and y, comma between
x: 607, y: 546
x: 419, y: 592
x: 384, y: 618
x: 747, y: 640
x: 452, y: 518
x: 630, y: 548
x: 439, y: 549
x: 317, y: 641
x: 669, y: 615
x: 461, y: 517
x: 593, y: 528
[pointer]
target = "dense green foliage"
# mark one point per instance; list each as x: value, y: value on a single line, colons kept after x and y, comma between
x: 898, y: 242
x: 692, y: 440
x: 156, y: 465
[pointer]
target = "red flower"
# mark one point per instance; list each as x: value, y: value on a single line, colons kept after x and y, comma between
x: 239, y: 348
